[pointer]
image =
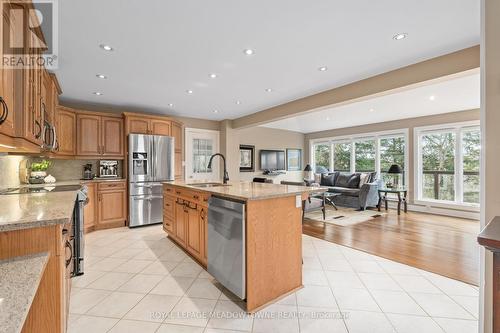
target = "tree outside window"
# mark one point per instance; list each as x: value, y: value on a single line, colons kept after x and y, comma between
x: 471, y: 154
x: 342, y: 156
x: 392, y: 151
x: 364, y: 156
x: 322, y: 156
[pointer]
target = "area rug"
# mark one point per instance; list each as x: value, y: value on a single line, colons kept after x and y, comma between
x: 344, y: 216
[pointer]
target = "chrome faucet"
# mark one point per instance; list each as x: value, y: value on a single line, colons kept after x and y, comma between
x: 209, y: 166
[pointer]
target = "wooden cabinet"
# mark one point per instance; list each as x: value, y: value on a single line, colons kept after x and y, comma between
x: 66, y: 131
x: 112, y: 204
x: 185, y: 219
x: 177, y: 133
x: 143, y: 124
x: 99, y: 135
x: 90, y: 210
x: 6, y: 78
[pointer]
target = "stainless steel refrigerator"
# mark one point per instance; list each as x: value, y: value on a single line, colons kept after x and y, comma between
x: 151, y: 161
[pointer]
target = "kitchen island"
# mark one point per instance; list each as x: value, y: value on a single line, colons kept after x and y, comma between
x: 272, y: 235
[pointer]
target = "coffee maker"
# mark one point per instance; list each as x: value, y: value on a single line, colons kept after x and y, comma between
x: 108, y: 169
x: 87, y: 171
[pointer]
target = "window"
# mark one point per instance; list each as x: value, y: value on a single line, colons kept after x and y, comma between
x: 364, y: 153
x: 202, y: 150
x: 322, y: 157
x: 392, y: 151
x: 448, y: 160
x: 374, y: 152
x: 342, y: 156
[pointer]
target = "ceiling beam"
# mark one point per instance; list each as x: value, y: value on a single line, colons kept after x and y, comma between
x: 389, y: 82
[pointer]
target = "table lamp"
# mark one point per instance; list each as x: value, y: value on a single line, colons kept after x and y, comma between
x: 395, y: 170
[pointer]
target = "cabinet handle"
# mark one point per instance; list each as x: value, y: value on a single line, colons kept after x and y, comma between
x: 70, y: 247
x: 202, y: 214
x: 178, y: 192
x: 5, y: 111
x: 37, y: 136
x: 196, y: 197
x: 100, y: 197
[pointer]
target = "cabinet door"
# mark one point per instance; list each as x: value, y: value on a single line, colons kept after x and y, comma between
x: 88, y: 135
x: 66, y: 132
x: 180, y: 223
x: 178, y: 170
x: 89, y: 212
x: 194, y: 241
x: 138, y: 125
x: 112, y: 208
x: 160, y: 127
x: 177, y: 134
x: 112, y: 136
x: 204, y: 233
x: 6, y: 78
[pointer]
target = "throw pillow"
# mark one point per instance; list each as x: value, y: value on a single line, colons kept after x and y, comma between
x: 364, y: 178
x: 317, y: 178
x: 328, y: 179
x: 353, y: 181
x: 343, y: 179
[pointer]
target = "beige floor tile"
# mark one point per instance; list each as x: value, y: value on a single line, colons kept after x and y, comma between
x: 457, y: 325
x: 134, y: 326
x: 287, y: 300
x: 392, y: 267
x: 277, y: 319
x: 159, y: 267
x: 141, y: 283
x: 316, y: 296
x: 175, y: 286
x: 230, y: 315
x: 341, y: 280
x: 374, y: 281
x: 469, y: 303
x: 171, y: 328
x: 127, y: 253
x: 417, y: 284
x: 116, y: 305
x: 313, y: 320
x: 84, y: 280
x: 440, y: 306
x: 397, y: 302
x: 110, y: 281
x: 341, y: 265
x: 355, y: 299
x: 107, y: 264
x: 191, y: 311
x: 366, y: 266
x: 86, y: 299
x: 368, y: 322
x: 314, y: 277
x: 133, y: 266
x: 204, y: 288
x: 413, y: 324
x: 86, y: 324
x: 174, y: 254
x: 186, y: 269
x: 153, y: 308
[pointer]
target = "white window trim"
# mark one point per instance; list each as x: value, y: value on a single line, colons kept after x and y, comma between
x: 360, y: 137
x: 188, y: 149
x: 442, y: 128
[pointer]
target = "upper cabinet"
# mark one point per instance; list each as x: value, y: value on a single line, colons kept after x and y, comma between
x: 6, y: 79
x: 66, y: 131
x: 99, y: 135
x: 160, y: 127
x: 144, y: 124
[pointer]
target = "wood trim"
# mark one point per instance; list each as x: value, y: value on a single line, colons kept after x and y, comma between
x: 439, y: 67
x: 147, y: 115
x: 489, y: 237
x: 100, y: 114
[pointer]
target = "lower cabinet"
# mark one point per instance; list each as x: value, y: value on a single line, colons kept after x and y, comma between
x: 107, y: 206
x: 185, y: 221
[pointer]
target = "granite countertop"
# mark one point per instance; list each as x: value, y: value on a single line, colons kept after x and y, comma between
x: 20, y: 278
x: 22, y: 211
x: 75, y: 182
x: 249, y: 190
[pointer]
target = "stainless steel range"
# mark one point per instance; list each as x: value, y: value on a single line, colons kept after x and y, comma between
x: 151, y: 161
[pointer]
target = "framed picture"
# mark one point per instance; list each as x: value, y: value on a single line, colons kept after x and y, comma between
x: 247, y: 158
x: 293, y: 159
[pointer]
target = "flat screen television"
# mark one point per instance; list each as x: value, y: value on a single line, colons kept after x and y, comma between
x: 272, y: 160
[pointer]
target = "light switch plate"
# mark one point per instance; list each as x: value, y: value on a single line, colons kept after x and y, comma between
x: 298, y: 201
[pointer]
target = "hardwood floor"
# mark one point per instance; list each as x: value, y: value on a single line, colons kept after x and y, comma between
x: 439, y: 244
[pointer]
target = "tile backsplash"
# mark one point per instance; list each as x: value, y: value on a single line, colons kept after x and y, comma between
x: 10, y: 166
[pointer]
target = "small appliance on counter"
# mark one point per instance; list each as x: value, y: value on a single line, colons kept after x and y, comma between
x: 108, y: 169
x: 87, y: 172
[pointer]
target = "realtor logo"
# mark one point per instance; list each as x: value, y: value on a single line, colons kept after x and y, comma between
x: 30, y: 34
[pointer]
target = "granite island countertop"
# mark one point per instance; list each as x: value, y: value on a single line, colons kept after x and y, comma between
x: 22, y: 211
x: 20, y: 278
x: 249, y: 190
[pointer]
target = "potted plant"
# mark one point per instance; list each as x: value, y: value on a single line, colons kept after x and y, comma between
x: 39, y: 169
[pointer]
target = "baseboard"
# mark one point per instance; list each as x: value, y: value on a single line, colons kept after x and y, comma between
x: 439, y: 211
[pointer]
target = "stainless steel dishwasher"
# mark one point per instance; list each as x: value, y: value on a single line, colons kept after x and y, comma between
x: 226, y: 244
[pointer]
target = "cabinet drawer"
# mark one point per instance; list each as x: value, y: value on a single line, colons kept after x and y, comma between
x: 168, y: 205
x: 111, y: 186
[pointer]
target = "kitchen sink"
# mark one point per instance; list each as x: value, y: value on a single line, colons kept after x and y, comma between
x: 208, y: 184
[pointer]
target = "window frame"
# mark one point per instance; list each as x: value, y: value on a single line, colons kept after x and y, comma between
x: 457, y: 129
x: 363, y: 137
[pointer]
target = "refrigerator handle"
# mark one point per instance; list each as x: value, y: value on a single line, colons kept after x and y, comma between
x: 153, y: 159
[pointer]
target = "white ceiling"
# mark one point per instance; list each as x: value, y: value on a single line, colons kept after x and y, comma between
x: 452, y: 95
x: 165, y: 47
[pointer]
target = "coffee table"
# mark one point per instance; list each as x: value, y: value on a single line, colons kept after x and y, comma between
x: 327, y: 197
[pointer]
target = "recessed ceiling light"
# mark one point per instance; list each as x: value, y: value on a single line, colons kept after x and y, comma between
x: 102, y: 76
x: 238, y: 102
x: 106, y: 47
x: 189, y: 91
x: 432, y: 98
x: 400, y: 36
x: 248, y: 51
x: 213, y: 75
x: 327, y: 118
x: 97, y: 93
x: 371, y: 110
x: 170, y: 104
x: 323, y: 69
x: 216, y: 111
x: 269, y: 90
